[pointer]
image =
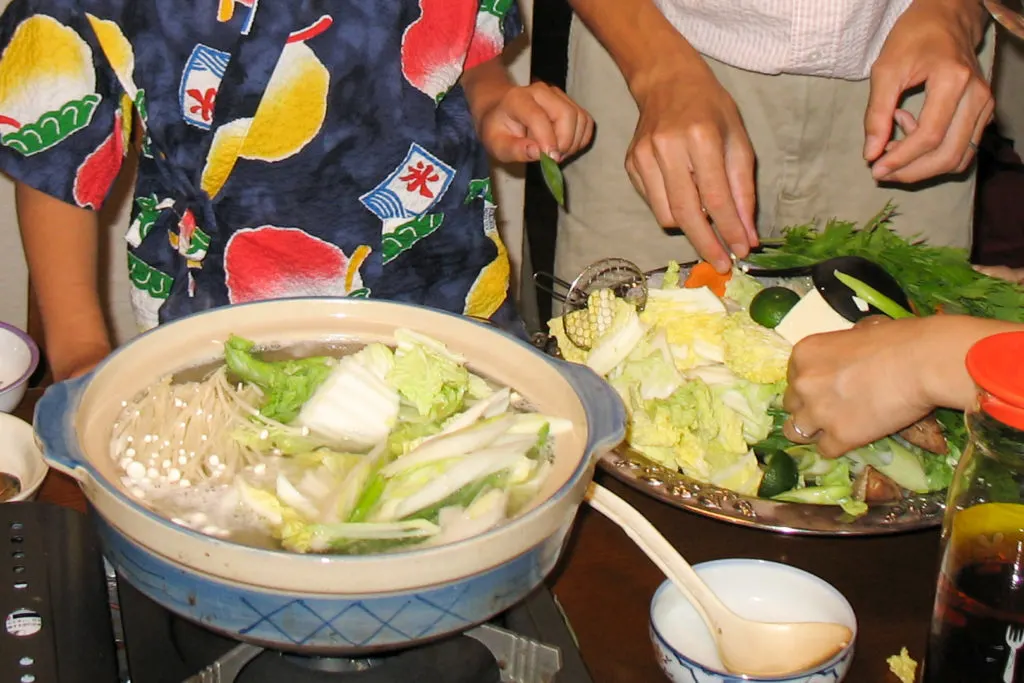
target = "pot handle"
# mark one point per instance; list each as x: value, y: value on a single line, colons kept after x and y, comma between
x: 54, y: 424
x: 606, y: 414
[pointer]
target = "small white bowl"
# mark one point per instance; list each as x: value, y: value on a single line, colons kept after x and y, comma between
x: 20, y: 456
x: 756, y: 589
x: 19, y: 357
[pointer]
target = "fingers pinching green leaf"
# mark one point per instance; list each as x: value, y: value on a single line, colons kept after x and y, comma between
x: 553, y: 178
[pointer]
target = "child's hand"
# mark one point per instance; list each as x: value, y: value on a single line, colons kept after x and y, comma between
x: 528, y: 120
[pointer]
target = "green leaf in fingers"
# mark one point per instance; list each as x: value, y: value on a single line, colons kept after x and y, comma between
x: 553, y: 178
x: 873, y: 297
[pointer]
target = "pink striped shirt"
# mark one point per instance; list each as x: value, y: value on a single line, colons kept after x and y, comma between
x: 835, y: 38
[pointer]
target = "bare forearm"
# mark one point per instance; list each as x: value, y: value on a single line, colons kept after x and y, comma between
x: 944, y: 350
x: 61, y: 244
x: 485, y: 85
x: 967, y: 16
x: 643, y: 43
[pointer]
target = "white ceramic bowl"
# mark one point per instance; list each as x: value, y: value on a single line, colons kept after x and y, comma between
x: 20, y: 456
x: 19, y: 357
x: 756, y: 589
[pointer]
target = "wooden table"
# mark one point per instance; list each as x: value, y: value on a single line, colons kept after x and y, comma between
x: 605, y: 583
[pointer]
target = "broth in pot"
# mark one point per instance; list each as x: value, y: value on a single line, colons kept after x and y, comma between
x: 334, y: 448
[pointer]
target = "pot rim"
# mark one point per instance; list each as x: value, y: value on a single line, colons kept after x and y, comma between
x: 566, y: 371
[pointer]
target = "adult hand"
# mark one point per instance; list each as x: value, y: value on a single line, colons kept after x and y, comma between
x: 692, y: 161
x: 1003, y: 273
x: 932, y: 44
x: 849, y: 388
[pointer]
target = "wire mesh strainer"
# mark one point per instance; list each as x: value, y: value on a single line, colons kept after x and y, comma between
x: 589, y: 298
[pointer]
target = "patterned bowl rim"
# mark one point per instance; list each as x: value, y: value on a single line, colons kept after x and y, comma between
x: 694, y: 664
x: 33, y: 361
x: 29, y: 486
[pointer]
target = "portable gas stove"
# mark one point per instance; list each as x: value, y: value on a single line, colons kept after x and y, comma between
x: 69, y: 620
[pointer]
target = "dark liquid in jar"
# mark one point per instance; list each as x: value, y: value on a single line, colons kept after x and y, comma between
x: 977, y: 633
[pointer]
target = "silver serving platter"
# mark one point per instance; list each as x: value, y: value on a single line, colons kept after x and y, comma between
x: 678, y: 490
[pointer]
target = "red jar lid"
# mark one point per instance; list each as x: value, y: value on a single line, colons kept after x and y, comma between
x: 996, y: 364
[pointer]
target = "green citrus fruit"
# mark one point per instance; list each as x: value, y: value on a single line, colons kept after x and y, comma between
x: 771, y: 305
x: 780, y: 474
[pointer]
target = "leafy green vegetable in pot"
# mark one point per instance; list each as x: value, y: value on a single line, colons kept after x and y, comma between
x: 429, y: 379
x: 372, y: 451
x: 287, y: 384
x: 257, y: 435
x: 355, y: 539
x: 369, y: 498
x: 463, y: 498
x: 355, y: 406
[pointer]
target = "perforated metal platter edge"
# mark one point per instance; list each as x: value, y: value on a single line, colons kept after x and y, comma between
x: 678, y: 490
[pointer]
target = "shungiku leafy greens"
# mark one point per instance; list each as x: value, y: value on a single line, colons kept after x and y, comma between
x: 935, y: 278
x: 372, y: 451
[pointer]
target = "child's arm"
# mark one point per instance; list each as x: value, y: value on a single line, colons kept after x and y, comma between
x: 517, y: 123
x: 485, y: 85
x: 61, y: 245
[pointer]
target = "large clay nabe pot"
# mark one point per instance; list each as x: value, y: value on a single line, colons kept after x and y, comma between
x: 337, y: 604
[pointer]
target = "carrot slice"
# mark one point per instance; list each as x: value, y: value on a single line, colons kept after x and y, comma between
x: 704, y: 275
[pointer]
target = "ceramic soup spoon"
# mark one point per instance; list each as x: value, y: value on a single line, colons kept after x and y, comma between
x: 10, y: 486
x: 753, y: 648
x: 1012, y: 21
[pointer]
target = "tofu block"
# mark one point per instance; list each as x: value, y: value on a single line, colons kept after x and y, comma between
x: 811, y: 315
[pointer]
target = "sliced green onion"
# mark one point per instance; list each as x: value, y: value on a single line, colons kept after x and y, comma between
x: 873, y: 297
x: 368, y: 499
x: 553, y: 178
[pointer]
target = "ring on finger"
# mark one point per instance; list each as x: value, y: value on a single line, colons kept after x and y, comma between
x: 973, y: 146
x: 801, y: 433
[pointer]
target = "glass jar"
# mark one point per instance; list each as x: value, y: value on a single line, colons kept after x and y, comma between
x: 977, y: 628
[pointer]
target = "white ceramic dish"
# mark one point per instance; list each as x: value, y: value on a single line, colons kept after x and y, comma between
x: 20, y: 456
x: 755, y: 589
x: 19, y: 357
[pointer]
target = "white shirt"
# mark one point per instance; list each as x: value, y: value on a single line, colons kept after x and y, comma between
x: 835, y: 38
